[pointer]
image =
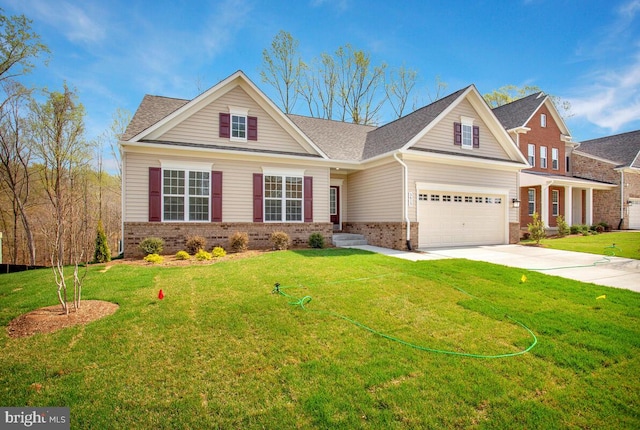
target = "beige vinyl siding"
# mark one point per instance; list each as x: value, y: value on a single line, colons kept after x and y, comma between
x: 440, y: 137
x: 375, y: 194
x: 203, y: 126
x: 463, y: 176
x: 237, y: 186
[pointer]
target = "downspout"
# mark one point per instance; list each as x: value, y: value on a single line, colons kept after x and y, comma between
x: 621, y: 199
x: 405, y: 187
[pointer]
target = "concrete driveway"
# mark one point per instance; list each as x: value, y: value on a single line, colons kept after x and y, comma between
x: 609, y: 271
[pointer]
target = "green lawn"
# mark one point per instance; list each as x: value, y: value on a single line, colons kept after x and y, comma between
x: 222, y: 351
x: 623, y: 244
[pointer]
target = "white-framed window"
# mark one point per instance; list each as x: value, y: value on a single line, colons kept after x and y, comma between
x: 555, y: 206
x: 543, y: 157
x: 238, y: 123
x: 531, y: 154
x: 186, y: 195
x: 543, y: 120
x: 283, y: 198
x: 467, y: 132
x: 532, y: 200
x: 239, y: 127
x: 554, y: 159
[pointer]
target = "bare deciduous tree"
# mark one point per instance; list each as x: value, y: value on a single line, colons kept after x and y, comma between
x: 57, y: 127
x: 282, y: 69
x: 398, y: 88
x: 15, y: 158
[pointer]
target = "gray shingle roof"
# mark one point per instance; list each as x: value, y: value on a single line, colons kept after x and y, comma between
x: 396, y: 134
x: 516, y: 113
x: 339, y: 140
x: 151, y: 110
x: 623, y: 149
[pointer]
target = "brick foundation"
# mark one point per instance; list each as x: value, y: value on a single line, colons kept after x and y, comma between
x: 514, y: 232
x: 217, y: 234
x: 385, y: 234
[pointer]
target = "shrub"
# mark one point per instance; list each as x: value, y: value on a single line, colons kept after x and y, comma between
x: 280, y: 240
x: 526, y: 235
x: 239, y: 242
x: 536, y: 229
x: 599, y: 228
x: 218, y: 252
x: 316, y: 240
x: 605, y: 226
x: 563, y: 227
x: 154, y: 258
x: 195, y: 244
x: 102, y: 253
x: 203, y: 255
x: 575, y: 229
x: 151, y: 245
x: 182, y: 255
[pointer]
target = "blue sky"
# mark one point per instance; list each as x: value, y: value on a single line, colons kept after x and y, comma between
x: 114, y: 52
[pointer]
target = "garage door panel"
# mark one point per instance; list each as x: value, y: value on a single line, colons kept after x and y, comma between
x: 457, y: 219
x: 634, y: 214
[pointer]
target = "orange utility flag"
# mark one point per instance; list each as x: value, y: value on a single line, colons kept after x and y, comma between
x: 523, y: 279
x: 601, y: 297
x: 161, y: 295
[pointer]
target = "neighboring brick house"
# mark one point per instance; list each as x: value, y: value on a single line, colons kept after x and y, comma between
x: 230, y: 160
x: 548, y: 186
x: 614, y: 159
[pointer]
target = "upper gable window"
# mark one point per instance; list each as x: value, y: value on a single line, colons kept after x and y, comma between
x: 465, y: 134
x: 238, y: 126
x: 543, y: 120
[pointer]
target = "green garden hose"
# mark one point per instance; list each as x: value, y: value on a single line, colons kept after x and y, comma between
x: 278, y: 289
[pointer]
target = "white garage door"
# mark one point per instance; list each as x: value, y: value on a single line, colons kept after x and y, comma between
x: 458, y: 219
x: 634, y: 214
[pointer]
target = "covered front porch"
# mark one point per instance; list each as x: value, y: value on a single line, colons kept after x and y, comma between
x: 554, y: 195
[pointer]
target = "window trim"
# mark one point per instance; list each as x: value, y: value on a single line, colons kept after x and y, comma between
x: 531, y: 202
x: 238, y: 113
x: 555, y: 205
x: 555, y: 158
x: 543, y: 120
x: 543, y: 158
x: 531, y: 154
x: 186, y: 195
x: 283, y: 175
x: 466, y: 123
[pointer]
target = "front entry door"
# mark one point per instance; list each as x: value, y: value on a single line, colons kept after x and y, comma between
x: 334, y: 207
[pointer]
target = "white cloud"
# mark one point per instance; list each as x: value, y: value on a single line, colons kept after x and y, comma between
x: 612, y: 100
x: 78, y: 24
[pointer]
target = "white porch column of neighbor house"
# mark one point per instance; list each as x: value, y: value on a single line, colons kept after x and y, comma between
x: 544, y: 204
x: 568, y: 213
x: 589, y: 207
x: 0, y: 247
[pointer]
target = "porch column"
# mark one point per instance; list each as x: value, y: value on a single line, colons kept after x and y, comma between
x: 568, y: 205
x: 544, y: 205
x: 589, y: 206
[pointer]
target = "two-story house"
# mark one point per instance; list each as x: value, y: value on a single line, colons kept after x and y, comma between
x: 548, y: 186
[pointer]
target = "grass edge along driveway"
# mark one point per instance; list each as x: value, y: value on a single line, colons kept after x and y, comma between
x: 221, y: 351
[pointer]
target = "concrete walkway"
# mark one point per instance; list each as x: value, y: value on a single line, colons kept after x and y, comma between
x: 610, y: 271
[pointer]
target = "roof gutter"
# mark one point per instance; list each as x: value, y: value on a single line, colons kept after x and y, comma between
x: 405, y: 187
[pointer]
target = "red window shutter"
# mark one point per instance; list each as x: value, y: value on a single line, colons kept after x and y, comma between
x: 257, y: 197
x: 225, y: 125
x: 216, y: 196
x: 252, y: 128
x: 155, y: 194
x: 457, y: 133
x: 476, y: 136
x: 308, y: 198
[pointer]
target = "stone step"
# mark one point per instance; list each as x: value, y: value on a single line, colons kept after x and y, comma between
x: 348, y: 239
